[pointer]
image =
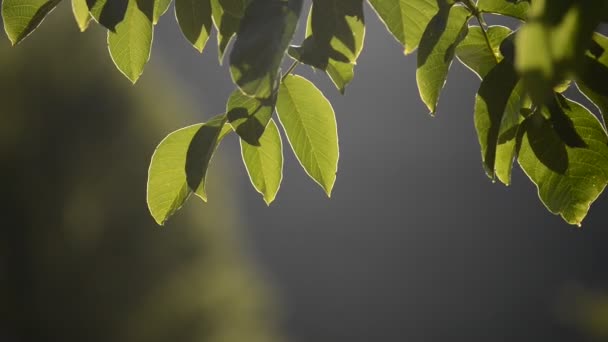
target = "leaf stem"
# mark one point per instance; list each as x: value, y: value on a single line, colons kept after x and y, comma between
x: 482, y: 23
x: 290, y: 70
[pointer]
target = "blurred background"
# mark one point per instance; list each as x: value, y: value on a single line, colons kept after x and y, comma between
x: 416, y: 244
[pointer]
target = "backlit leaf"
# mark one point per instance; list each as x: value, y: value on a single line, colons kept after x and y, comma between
x: 334, y: 39
x: 179, y: 166
x: 264, y: 163
x: 569, y: 179
x: 22, y: 17
x: 593, y: 75
x: 249, y: 116
x: 406, y: 19
x: 437, y: 47
x: 264, y: 35
x: 310, y: 125
x: 226, y: 23
x: 512, y: 8
x: 473, y: 51
x: 194, y: 18
x: 131, y: 42
x: 497, y: 106
x: 81, y: 13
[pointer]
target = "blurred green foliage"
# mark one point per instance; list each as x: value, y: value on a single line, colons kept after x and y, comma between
x: 80, y: 257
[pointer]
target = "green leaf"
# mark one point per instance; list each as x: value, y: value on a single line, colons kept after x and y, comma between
x: 553, y: 42
x: 108, y: 13
x: 569, y: 179
x: 406, y: 19
x: 474, y: 53
x: 511, y: 8
x: 249, y: 116
x: 437, y: 48
x: 131, y: 42
x: 334, y: 39
x: 497, y: 106
x: 81, y: 14
x: 22, y: 17
x: 179, y: 166
x: 160, y: 8
x: 264, y: 163
x: 226, y: 23
x: 310, y: 125
x: 194, y: 18
x: 593, y: 74
x: 263, y: 37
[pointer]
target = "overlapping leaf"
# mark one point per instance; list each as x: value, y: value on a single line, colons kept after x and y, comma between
x: 81, y: 13
x: 194, y: 18
x: 264, y: 163
x: 179, y: 166
x: 264, y: 35
x: 474, y: 52
x: 131, y: 42
x: 249, y: 116
x: 568, y: 178
x: 406, y: 19
x: 513, y: 8
x: 552, y: 44
x: 310, y: 125
x: 22, y: 17
x: 334, y: 39
x: 439, y: 41
x: 497, y: 106
x: 226, y: 16
x: 593, y: 74
x: 160, y: 7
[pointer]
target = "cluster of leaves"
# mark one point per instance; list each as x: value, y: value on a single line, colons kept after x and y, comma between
x: 520, y: 114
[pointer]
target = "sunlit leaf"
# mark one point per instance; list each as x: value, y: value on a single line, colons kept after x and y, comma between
x: 179, y: 167
x: 310, y: 125
x: 108, y: 12
x: 131, y: 42
x: 512, y: 8
x: 160, y: 8
x: 194, y: 18
x: 264, y: 163
x: 437, y: 47
x: 81, y: 13
x: 249, y: 116
x: 553, y: 43
x: 569, y: 179
x: 263, y: 37
x: 334, y: 39
x: 497, y: 106
x: 22, y: 17
x: 406, y: 19
x: 474, y: 52
x: 593, y: 75
x: 226, y: 23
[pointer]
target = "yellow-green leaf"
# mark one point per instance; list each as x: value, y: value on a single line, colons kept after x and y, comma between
x: 437, y: 47
x: 22, y: 17
x: 264, y: 163
x: 310, y: 125
x: 81, y: 13
x: 179, y: 167
x: 131, y: 42
x: 474, y: 52
x: 249, y: 116
x: 569, y: 179
x: 512, y: 8
x: 334, y: 39
x: 194, y: 18
x: 406, y: 19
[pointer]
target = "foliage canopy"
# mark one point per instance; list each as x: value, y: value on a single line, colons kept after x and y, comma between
x: 520, y: 113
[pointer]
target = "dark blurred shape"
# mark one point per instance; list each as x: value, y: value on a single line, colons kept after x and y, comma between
x: 80, y: 257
